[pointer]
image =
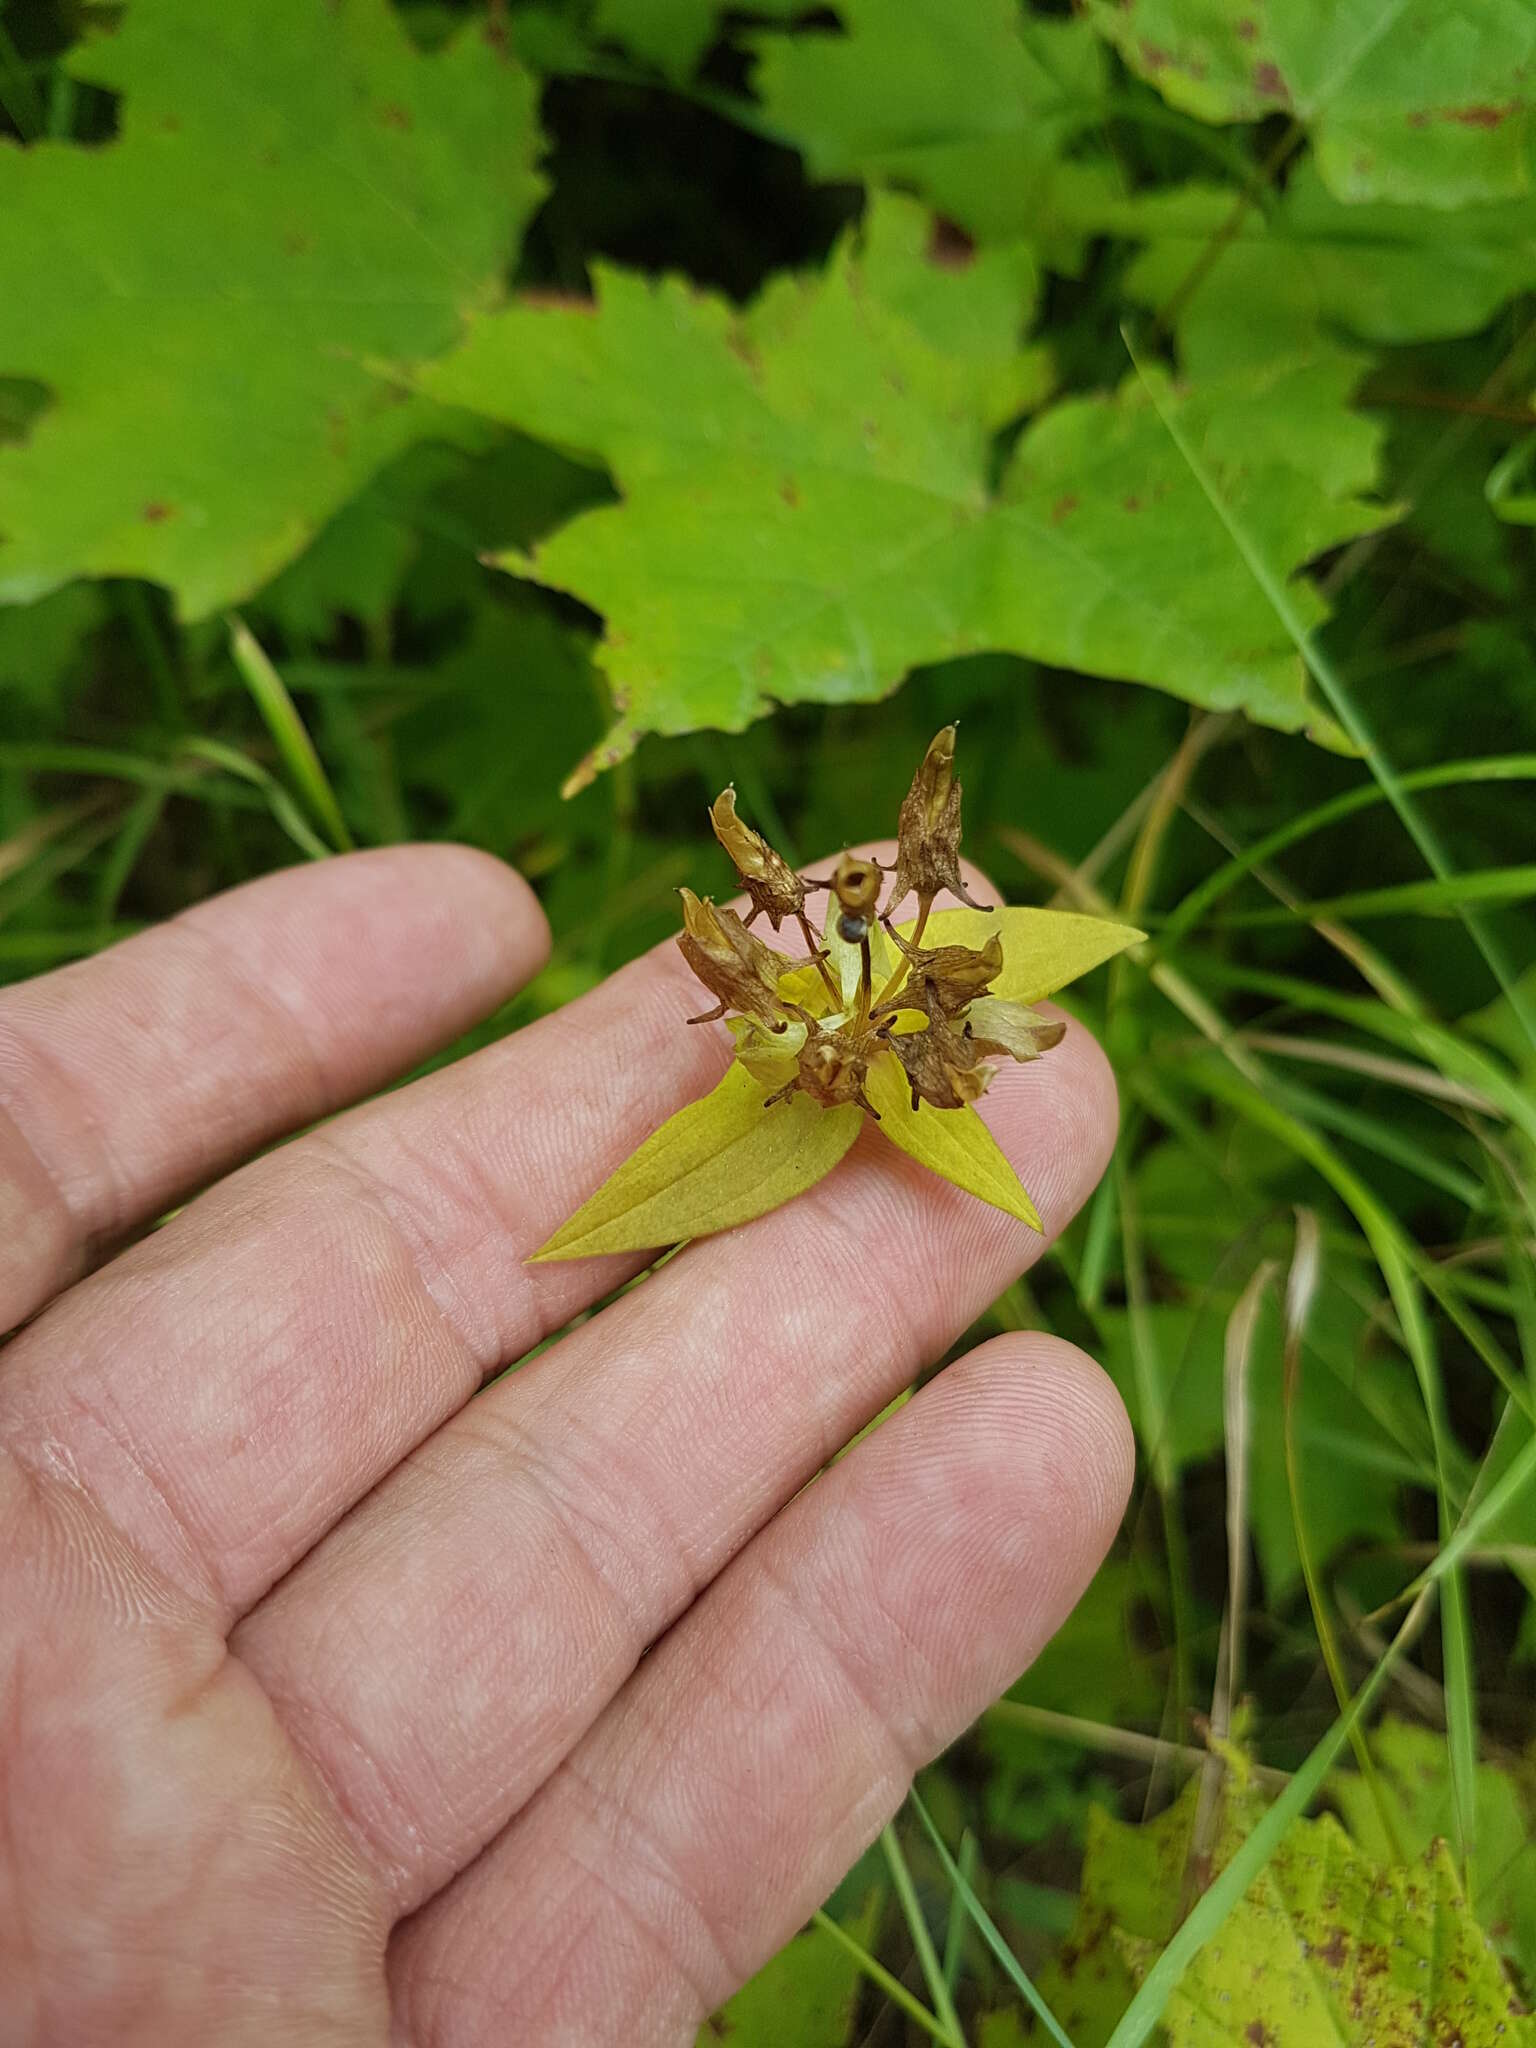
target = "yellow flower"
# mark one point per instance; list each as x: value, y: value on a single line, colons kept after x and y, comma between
x: 878, y: 1024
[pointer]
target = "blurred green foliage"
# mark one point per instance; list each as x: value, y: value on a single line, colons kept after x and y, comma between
x: 661, y: 395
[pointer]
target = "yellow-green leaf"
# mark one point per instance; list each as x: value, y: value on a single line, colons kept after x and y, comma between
x: 953, y: 1143
x: 719, y: 1162
x: 1042, y: 949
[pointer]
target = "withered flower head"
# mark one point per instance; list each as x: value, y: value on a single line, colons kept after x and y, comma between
x: 738, y: 969
x: 928, y: 829
x: 946, y: 977
x: 832, y: 1066
x: 943, y: 1067
x: 775, y: 889
x: 998, y: 1026
x: 818, y: 1043
x: 856, y: 884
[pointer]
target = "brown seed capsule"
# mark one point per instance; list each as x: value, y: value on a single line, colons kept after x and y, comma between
x: 856, y: 884
x: 995, y: 1025
x: 775, y: 889
x: 928, y: 845
x: 737, y: 968
x: 943, y: 1067
x: 945, y: 977
x: 832, y: 1067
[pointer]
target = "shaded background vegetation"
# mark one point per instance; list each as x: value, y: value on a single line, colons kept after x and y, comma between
x: 1326, y: 274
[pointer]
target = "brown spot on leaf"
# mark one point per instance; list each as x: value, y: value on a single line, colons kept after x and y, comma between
x: 1482, y: 116
x: 1131, y: 502
x: 170, y: 124
x: 393, y: 115
x: 789, y: 491
x: 1258, y: 2034
x: 1334, y: 1949
x: 740, y: 347
x: 1418, y: 119
x: 1153, y: 56
x: 156, y: 513
x: 1062, y: 507
x: 1247, y: 30
x: 1269, y: 80
x: 949, y: 245
x: 298, y: 242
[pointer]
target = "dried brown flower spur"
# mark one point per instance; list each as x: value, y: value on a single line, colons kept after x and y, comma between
x: 874, y: 1023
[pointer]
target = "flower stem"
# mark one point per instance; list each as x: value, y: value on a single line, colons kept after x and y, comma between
x: 902, y: 971
x: 819, y: 957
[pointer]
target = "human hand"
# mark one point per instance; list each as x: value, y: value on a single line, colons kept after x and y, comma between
x: 324, y: 1709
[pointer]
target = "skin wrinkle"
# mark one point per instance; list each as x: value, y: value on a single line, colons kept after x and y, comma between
x: 295, y: 1033
x: 631, y: 1843
x: 397, y: 1209
x: 989, y: 1419
x: 102, y: 1185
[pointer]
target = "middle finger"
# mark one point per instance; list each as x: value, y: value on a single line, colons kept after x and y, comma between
x: 444, y: 1648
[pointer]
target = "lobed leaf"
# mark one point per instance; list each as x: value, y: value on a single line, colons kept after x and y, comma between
x: 719, y: 1162
x: 1406, y: 99
x: 953, y: 1143
x: 809, y: 507
x: 295, y: 192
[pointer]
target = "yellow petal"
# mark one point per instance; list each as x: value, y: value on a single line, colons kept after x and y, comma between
x: 719, y: 1162
x: 1042, y: 949
x: 953, y: 1143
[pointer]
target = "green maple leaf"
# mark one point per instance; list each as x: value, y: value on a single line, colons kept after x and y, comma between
x: 294, y: 193
x: 1386, y: 273
x: 808, y: 508
x: 1406, y: 100
x: 672, y: 34
x: 971, y: 106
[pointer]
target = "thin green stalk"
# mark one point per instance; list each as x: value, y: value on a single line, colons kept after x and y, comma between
x: 1418, y: 899
x: 893, y: 1988
x: 295, y: 748
x: 1331, y: 683
x: 988, y: 1929
x: 922, y: 1942
x: 954, y: 1932
x: 1299, y: 1290
x: 1395, y: 1257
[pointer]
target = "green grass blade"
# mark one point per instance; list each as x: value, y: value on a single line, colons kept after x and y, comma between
x: 1189, y: 911
x: 987, y: 1928
x: 922, y: 1941
x: 1331, y: 683
x: 295, y: 748
x: 1417, y: 899
x: 893, y: 1988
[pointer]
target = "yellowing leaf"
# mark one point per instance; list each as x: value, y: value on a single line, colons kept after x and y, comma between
x: 719, y: 1162
x: 1042, y: 949
x: 953, y: 1143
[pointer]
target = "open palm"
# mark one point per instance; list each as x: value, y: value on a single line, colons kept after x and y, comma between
x: 341, y: 1702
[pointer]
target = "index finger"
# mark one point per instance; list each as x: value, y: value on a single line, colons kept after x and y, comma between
x: 129, y: 1079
